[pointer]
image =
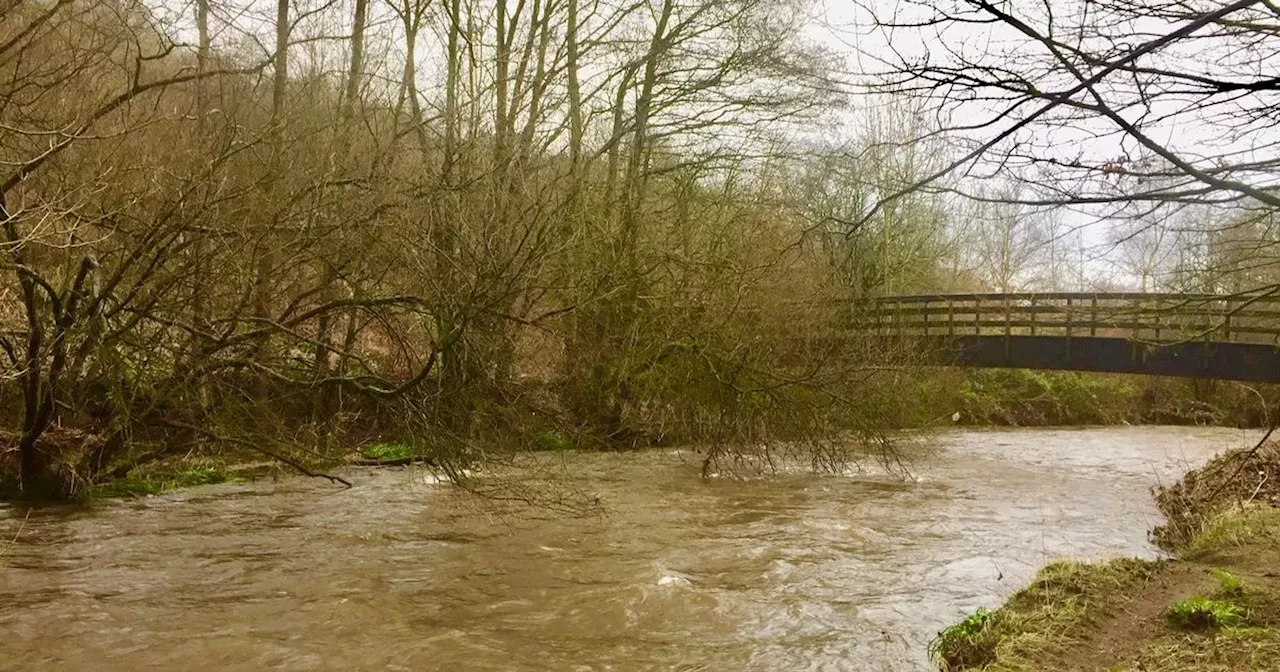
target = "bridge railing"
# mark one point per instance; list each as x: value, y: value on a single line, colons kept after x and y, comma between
x: 1150, y: 317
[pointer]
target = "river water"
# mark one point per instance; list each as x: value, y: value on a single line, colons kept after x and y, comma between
x: 797, y: 572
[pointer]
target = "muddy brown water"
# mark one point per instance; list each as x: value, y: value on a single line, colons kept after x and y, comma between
x: 798, y: 572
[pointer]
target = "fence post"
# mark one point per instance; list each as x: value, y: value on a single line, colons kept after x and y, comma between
x: 951, y: 317
x: 1093, y: 316
x: 1008, y: 316
x: 1069, y: 328
x: 1226, y: 322
x: 1033, y: 315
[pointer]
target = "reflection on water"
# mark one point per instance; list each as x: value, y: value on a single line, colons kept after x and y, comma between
x: 794, y: 573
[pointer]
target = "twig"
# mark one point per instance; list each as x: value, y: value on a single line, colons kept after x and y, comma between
x: 1259, y: 488
x: 17, y: 534
x: 1244, y: 459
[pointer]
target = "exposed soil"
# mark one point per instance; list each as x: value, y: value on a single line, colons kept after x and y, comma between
x: 1136, y: 619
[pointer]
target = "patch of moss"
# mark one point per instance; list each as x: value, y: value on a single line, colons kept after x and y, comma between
x: 156, y: 483
x: 389, y: 451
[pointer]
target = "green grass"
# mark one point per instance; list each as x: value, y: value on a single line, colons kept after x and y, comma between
x: 1062, y: 603
x: 1238, y: 649
x: 1051, y: 625
x: 964, y: 644
x: 1127, y: 614
x: 1203, y: 613
x: 1251, y: 525
x: 1228, y: 583
x: 156, y: 483
x: 389, y: 451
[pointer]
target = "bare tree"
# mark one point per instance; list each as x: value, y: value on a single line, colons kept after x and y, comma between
x: 1009, y: 242
x: 1108, y: 107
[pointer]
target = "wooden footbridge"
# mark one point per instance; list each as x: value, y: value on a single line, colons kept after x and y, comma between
x: 1235, y: 337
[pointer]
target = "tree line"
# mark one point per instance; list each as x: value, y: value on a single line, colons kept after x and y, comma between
x: 290, y: 227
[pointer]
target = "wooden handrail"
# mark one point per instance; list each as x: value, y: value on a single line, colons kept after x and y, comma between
x: 1168, y: 316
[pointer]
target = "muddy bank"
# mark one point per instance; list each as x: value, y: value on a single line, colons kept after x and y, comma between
x: 1214, y: 606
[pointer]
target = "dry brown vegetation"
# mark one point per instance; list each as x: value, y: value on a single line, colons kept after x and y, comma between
x: 290, y: 228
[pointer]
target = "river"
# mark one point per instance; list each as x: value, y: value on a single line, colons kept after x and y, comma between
x: 796, y: 572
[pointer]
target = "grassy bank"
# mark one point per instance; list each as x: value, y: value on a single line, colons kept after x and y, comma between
x: 1028, y: 398
x: 1216, y: 607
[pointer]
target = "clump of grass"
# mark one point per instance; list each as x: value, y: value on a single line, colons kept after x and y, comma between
x: 389, y: 451
x: 1228, y: 583
x: 966, y: 644
x: 1203, y: 613
x: 1229, y: 649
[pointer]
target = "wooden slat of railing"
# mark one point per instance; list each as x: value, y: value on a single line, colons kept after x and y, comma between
x: 1163, y: 317
x: 997, y: 327
x: 1242, y: 298
x: 1104, y: 312
x: 942, y: 307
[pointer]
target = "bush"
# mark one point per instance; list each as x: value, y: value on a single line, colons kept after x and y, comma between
x: 1242, y: 483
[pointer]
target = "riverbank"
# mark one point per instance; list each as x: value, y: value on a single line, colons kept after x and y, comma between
x: 1216, y: 606
x: 1031, y: 398
x: 148, y: 463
